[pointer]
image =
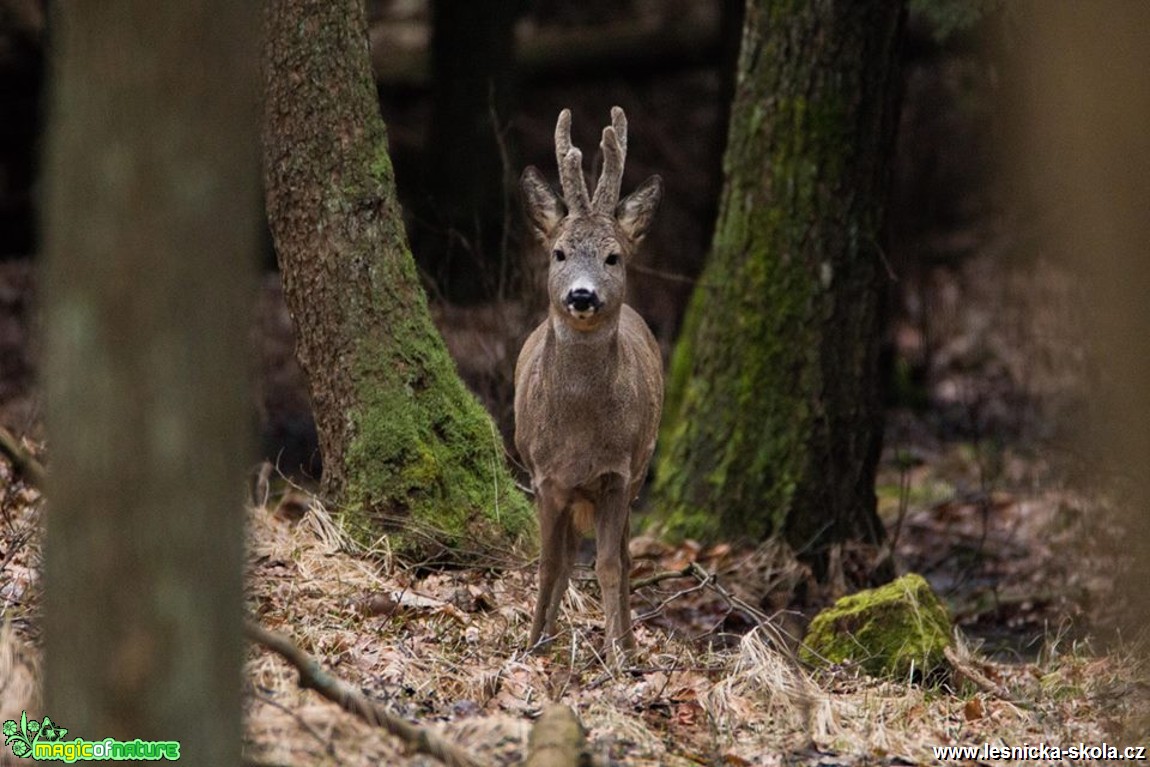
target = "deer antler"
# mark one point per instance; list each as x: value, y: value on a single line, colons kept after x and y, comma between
x: 614, y: 147
x: 570, y: 162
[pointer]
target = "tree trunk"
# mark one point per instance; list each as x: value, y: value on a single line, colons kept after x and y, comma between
x: 773, y: 411
x: 1078, y: 90
x: 151, y: 234
x: 468, y: 177
x: 405, y: 446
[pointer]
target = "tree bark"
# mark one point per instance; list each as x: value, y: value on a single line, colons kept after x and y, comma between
x: 405, y: 446
x: 151, y: 234
x: 773, y: 411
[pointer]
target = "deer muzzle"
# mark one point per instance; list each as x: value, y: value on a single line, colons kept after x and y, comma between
x: 582, y: 302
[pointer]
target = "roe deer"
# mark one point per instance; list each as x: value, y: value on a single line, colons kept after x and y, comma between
x: 589, y: 380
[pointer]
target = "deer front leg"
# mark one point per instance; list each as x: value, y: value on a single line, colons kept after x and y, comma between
x: 556, y: 557
x: 613, y: 563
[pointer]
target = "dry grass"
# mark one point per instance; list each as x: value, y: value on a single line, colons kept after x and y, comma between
x: 447, y: 649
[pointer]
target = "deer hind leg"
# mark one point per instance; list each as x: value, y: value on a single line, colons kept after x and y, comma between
x: 613, y: 563
x: 556, y: 559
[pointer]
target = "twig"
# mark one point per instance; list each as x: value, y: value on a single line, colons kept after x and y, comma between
x: 890, y: 273
x: 666, y: 575
x: 977, y: 678
x: 735, y: 602
x: 903, y: 499
x: 708, y: 580
x: 702, y: 584
x: 327, y: 743
x: 16, y: 543
x: 508, y: 184
x: 261, y: 489
x: 22, y: 460
x: 313, y: 676
x: 777, y: 633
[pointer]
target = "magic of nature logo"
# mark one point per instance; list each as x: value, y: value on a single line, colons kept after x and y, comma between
x: 46, y: 740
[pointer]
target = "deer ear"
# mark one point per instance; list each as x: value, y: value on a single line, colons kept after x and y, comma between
x: 636, y: 212
x: 544, y: 208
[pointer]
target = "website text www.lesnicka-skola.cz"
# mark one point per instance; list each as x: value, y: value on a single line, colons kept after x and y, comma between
x: 1040, y: 752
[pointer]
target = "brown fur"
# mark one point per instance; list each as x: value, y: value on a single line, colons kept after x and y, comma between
x: 588, y: 383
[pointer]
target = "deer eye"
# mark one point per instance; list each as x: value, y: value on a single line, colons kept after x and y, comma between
x: 612, y: 259
x: 560, y: 255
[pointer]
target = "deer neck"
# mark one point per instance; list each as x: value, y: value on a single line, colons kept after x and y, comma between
x: 580, y: 355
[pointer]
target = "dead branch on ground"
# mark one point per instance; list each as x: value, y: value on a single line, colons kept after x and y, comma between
x: 965, y: 669
x: 22, y: 460
x: 708, y: 580
x: 313, y: 676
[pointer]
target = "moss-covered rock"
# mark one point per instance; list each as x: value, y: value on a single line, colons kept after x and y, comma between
x: 899, y: 630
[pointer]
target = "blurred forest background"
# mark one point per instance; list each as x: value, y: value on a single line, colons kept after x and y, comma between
x: 983, y: 367
x: 459, y: 145
x: 983, y: 486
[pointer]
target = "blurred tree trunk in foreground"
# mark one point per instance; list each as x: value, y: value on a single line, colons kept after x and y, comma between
x: 150, y: 231
x: 1085, y: 106
x: 405, y: 446
x: 773, y: 420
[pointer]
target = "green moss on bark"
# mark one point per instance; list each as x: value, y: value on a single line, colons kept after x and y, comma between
x: 407, y: 451
x: 773, y: 420
x: 900, y: 630
x: 425, y: 461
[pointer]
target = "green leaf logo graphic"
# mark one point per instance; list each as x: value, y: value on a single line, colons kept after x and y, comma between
x: 21, y: 737
x: 16, y: 736
x: 51, y: 733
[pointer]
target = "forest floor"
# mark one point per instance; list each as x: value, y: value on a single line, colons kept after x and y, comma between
x: 982, y: 491
x: 981, y: 488
x: 978, y: 490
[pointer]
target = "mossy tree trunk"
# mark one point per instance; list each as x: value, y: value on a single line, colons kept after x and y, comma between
x: 405, y: 446
x: 151, y: 230
x: 773, y: 418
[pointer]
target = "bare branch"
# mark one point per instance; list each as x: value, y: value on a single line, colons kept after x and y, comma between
x: 22, y: 460
x: 313, y: 676
x: 666, y: 575
x: 710, y: 581
x: 967, y: 670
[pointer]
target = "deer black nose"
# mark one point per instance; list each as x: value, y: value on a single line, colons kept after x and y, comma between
x: 582, y: 299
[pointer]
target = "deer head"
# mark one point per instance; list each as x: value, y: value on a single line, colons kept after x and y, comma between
x: 589, y: 238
